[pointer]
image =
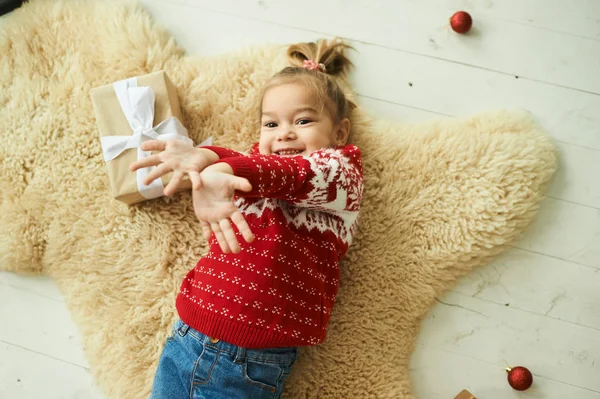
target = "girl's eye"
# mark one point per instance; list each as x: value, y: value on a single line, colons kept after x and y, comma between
x: 303, y: 121
x: 271, y: 124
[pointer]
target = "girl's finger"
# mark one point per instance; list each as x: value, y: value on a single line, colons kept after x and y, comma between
x: 240, y: 183
x: 173, y: 183
x: 196, y: 181
x: 229, y: 234
x: 240, y: 222
x: 152, y: 160
x: 157, y: 172
x: 220, y: 237
x: 153, y: 145
x: 205, y: 229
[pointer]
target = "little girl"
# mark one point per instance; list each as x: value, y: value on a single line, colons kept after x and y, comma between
x: 269, y: 281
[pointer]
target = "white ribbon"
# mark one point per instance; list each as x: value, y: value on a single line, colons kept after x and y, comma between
x: 137, y: 104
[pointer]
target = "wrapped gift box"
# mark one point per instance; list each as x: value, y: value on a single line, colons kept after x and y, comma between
x: 464, y: 394
x: 129, y: 112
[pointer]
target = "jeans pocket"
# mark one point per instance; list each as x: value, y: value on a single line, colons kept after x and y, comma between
x: 263, y: 375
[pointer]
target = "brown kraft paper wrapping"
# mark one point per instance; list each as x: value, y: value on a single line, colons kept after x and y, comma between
x: 111, y: 121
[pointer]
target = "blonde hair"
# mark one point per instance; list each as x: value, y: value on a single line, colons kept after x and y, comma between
x: 334, y: 63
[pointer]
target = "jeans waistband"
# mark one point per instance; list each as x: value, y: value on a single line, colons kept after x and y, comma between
x: 283, y: 355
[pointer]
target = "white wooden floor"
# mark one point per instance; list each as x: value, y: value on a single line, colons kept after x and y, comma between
x: 539, y: 304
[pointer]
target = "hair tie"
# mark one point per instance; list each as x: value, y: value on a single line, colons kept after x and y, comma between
x: 313, y: 66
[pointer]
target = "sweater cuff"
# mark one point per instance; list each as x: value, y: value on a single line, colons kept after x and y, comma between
x: 222, y: 152
x: 241, y: 165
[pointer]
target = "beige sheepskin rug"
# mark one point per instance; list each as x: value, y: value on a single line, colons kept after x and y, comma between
x: 441, y: 198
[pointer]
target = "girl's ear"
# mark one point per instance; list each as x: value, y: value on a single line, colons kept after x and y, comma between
x: 342, y: 131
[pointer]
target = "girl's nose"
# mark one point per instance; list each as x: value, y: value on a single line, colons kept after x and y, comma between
x: 286, y: 134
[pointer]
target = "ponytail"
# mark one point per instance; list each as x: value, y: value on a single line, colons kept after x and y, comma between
x: 330, y: 54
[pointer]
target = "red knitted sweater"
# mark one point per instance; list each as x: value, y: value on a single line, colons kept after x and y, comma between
x: 280, y: 289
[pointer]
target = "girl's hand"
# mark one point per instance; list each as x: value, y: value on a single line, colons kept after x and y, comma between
x: 178, y: 157
x: 214, y: 207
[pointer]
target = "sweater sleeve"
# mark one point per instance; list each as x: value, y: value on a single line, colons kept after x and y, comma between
x: 328, y: 179
x: 223, y: 152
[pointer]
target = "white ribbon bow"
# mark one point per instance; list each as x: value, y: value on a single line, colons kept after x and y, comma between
x: 137, y: 104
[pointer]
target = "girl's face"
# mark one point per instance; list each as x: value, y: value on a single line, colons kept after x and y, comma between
x: 294, y: 123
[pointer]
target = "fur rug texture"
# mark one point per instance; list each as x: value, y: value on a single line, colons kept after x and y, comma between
x: 441, y: 198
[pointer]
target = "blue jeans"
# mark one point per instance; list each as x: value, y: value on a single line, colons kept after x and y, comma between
x: 195, y: 366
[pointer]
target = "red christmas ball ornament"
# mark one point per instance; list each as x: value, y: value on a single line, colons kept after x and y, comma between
x: 461, y: 22
x: 519, y: 378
